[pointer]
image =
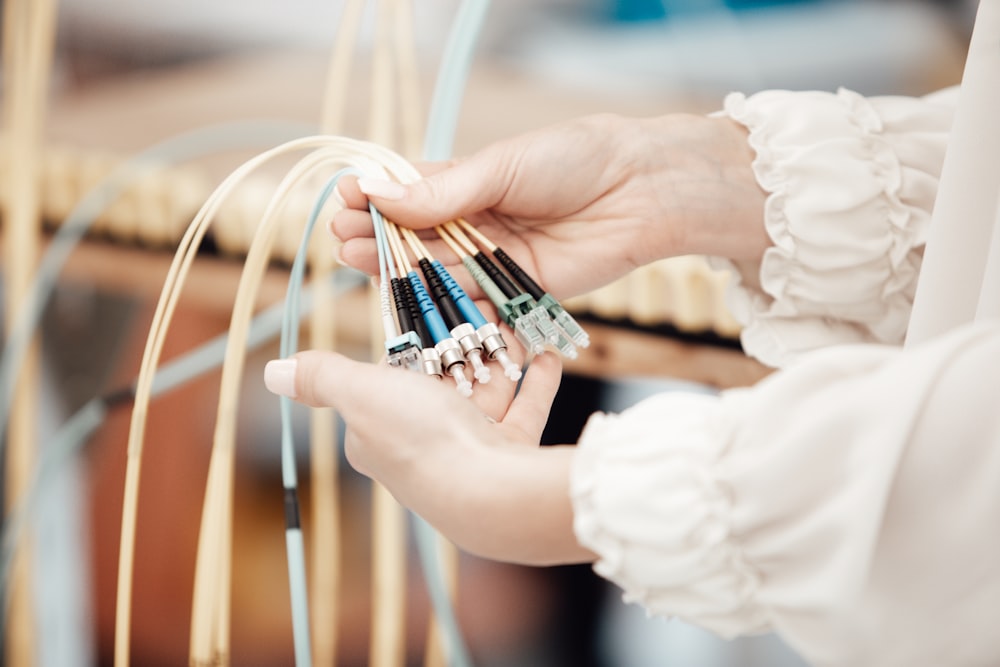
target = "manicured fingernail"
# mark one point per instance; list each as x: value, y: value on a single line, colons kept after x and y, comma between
x: 336, y: 252
x: 376, y: 187
x: 337, y: 196
x: 279, y: 377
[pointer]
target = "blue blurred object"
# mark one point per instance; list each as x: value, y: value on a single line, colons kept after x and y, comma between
x: 637, y: 11
x: 755, y: 4
x: 634, y: 11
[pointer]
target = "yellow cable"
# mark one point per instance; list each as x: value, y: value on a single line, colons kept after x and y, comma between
x: 459, y: 236
x: 398, y: 249
x: 478, y: 235
x: 28, y: 46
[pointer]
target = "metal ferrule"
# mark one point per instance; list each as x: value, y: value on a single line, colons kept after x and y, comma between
x: 467, y: 339
x: 489, y: 336
x: 451, y: 353
x: 431, y: 362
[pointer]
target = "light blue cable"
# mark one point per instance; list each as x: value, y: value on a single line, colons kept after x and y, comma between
x: 438, y: 141
x: 456, y: 62
x: 289, y: 477
x: 386, y: 271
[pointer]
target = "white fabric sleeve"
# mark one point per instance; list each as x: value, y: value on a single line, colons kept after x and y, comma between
x: 850, y: 503
x: 851, y: 183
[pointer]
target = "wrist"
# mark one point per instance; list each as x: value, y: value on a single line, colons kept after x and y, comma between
x: 509, y: 503
x: 710, y: 198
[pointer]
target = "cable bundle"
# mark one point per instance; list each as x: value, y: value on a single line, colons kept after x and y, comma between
x: 460, y: 336
x: 438, y: 329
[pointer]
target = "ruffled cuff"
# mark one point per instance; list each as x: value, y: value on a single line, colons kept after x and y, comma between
x: 851, y: 182
x: 657, y: 516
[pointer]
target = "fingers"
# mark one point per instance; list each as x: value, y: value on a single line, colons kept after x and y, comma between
x: 464, y: 188
x: 352, y: 223
x: 363, y: 393
x: 360, y: 254
x: 355, y: 199
x: 352, y: 196
x: 325, y: 379
x: 530, y: 409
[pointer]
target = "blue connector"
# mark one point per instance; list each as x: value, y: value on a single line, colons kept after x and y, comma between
x: 466, y: 305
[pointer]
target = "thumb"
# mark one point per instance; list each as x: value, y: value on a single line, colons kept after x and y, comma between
x: 320, y: 378
x: 327, y: 379
x: 465, y: 187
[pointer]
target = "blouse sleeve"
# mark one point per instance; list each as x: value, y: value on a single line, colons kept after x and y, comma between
x: 849, y: 503
x: 851, y: 183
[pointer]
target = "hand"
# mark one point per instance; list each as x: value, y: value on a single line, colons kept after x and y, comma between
x: 486, y: 486
x: 584, y: 202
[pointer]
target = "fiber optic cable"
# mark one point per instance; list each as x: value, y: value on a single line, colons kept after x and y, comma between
x: 455, y: 65
x: 532, y: 326
x: 210, y: 620
x: 563, y: 320
x: 407, y: 312
x: 289, y: 478
x: 452, y: 359
x: 188, y: 146
x: 402, y: 347
x: 459, y: 312
x: 211, y: 612
x: 451, y: 352
x: 438, y: 139
x: 489, y: 334
x: 536, y: 316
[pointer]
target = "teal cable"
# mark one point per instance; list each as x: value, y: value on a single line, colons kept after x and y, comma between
x: 438, y: 141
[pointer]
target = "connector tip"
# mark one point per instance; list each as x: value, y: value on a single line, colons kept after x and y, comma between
x: 462, y: 383
x: 482, y: 375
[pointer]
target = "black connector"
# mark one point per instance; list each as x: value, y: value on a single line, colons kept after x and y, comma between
x: 499, y: 278
x: 402, y: 312
x: 520, y: 275
x: 449, y: 311
x: 292, y: 509
x: 419, y: 325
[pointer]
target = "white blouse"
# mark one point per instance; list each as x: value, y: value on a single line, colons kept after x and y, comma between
x: 851, y: 501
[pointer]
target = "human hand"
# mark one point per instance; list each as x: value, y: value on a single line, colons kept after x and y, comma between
x: 582, y: 203
x: 484, y: 484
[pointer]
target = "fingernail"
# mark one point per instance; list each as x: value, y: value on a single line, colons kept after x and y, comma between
x: 279, y: 377
x: 335, y: 252
x: 338, y: 197
x: 376, y: 187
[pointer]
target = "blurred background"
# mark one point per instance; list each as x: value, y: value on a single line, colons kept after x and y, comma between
x: 130, y: 74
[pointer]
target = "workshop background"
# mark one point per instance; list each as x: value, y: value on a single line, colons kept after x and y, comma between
x: 128, y: 75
